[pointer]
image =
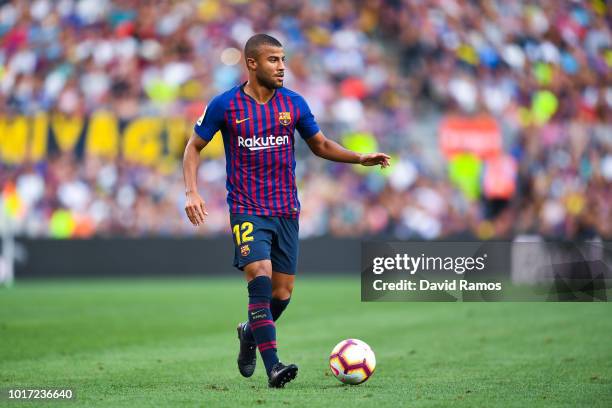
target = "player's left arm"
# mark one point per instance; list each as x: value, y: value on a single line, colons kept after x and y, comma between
x: 330, y: 150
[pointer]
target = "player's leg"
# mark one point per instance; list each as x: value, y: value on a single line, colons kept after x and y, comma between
x: 284, y: 256
x: 258, y: 274
x: 282, y: 288
x: 261, y: 324
x: 252, y: 240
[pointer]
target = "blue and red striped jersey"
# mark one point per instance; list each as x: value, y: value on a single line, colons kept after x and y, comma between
x: 259, y: 148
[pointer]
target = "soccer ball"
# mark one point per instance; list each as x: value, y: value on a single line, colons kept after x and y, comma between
x: 352, y: 361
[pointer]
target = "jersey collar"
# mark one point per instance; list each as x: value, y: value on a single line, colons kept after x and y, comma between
x: 253, y: 99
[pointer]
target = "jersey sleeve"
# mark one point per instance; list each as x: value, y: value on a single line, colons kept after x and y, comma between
x: 211, y: 120
x: 306, y: 124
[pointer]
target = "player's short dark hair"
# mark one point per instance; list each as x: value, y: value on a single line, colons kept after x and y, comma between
x: 251, y: 48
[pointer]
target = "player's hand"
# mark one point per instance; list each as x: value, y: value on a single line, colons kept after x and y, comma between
x: 195, y: 208
x: 373, y: 159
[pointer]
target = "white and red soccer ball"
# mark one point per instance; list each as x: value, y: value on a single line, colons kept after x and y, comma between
x: 352, y: 361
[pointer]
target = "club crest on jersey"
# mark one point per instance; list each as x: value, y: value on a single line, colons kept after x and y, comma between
x: 245, y: 250
x: 284, y: 118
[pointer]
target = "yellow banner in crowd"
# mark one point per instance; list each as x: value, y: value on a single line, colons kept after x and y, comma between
x: 144, y: 140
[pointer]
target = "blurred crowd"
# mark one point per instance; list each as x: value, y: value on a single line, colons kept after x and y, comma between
x: 388, y: 70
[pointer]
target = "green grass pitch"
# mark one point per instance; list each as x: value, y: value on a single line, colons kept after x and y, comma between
x: 172, y: 343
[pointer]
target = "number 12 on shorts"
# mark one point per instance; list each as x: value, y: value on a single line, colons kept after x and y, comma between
x: 246, y: 228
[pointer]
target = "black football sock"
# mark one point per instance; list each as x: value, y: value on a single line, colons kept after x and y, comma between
x: 277, y: 307
x: 260, y: 320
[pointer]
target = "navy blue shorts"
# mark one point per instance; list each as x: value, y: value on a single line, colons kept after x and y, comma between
x: 260, y: 237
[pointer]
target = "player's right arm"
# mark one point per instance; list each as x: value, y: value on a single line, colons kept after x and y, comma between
x: 195, y: 206
x: 205, y: 129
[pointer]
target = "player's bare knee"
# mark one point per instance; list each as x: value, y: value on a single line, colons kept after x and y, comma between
x: 289, y: 289
x: 259, y: 268
x: 283, y: 292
